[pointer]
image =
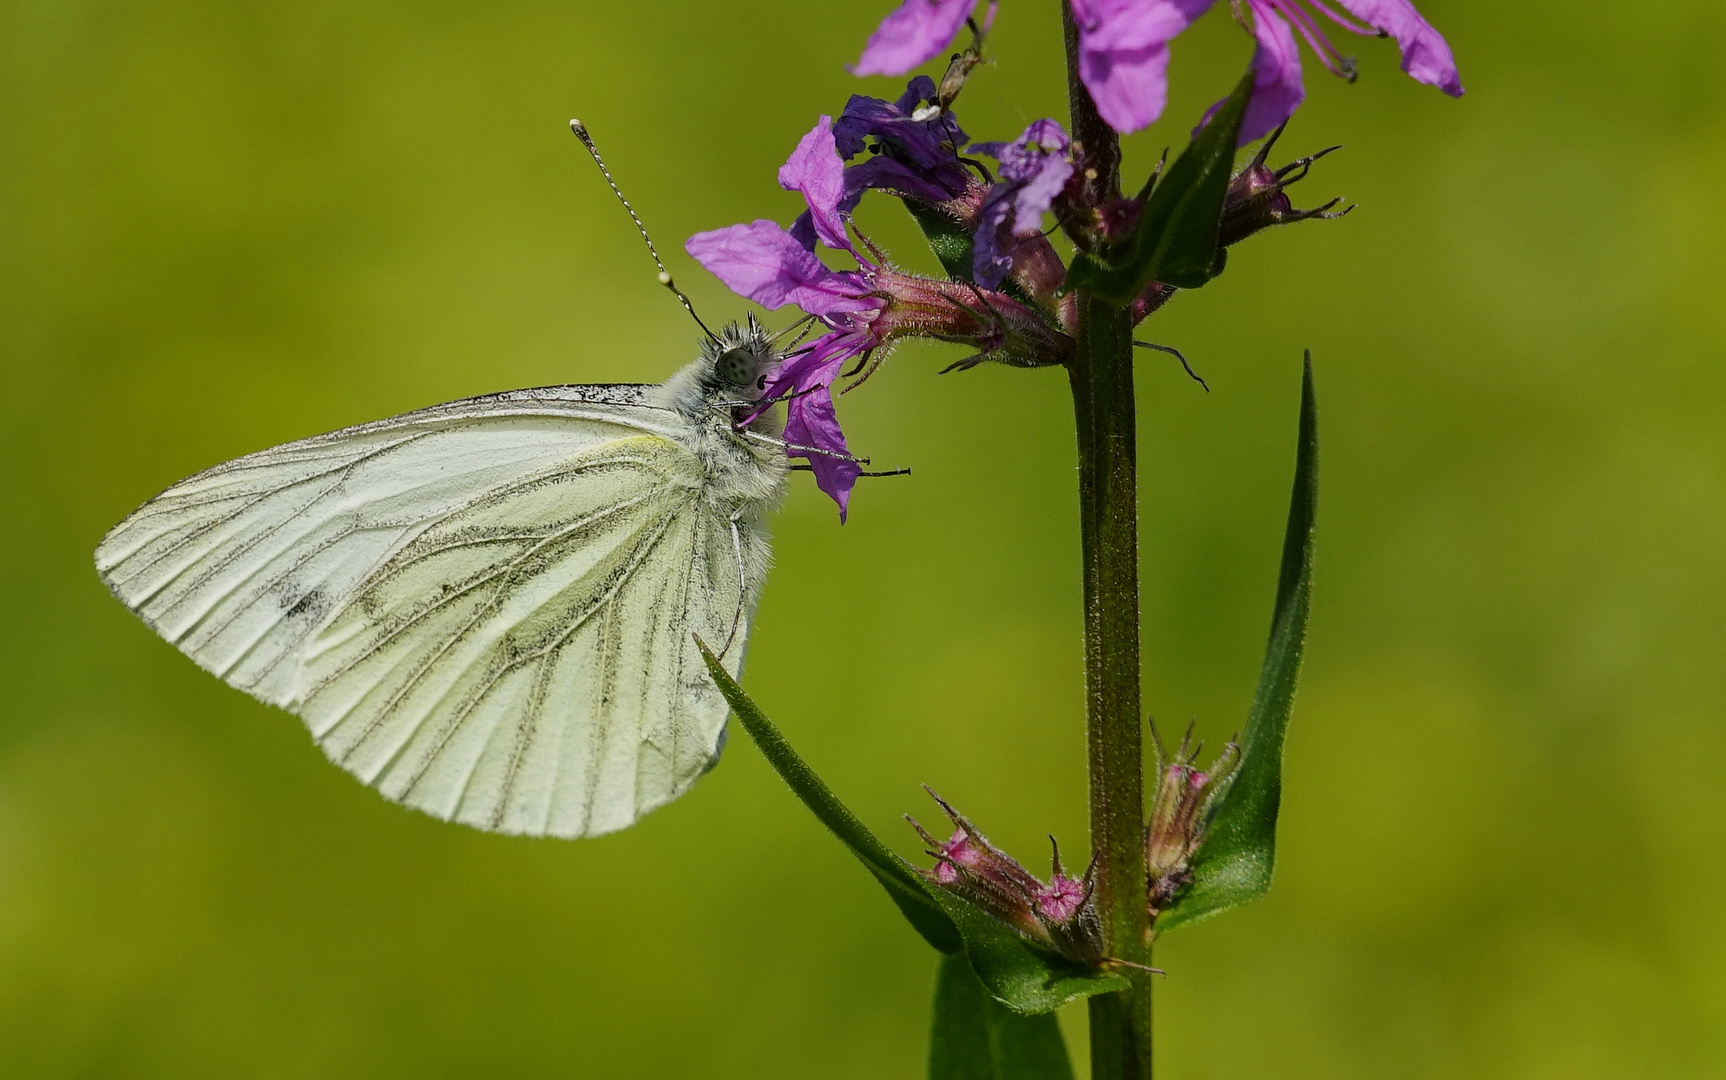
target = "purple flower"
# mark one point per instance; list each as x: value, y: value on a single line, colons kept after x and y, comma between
x: 774, y: 267
x: 811, y: 425
x: 915, y: 158
x: 767, y: 264
x: 1034, y: 170
x: 1123, y: 53
x: 924, y: 143
x: 862, y: 309
x: 918, y: 31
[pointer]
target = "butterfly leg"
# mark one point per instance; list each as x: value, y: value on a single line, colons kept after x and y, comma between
x: 769, y: 440
x: 742, y: 582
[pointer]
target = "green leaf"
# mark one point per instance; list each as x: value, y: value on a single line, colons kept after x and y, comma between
x: 1234, y: 864
x: 1176, y: 239
x: 902, y: 882
x: 1020, y: 975
x: 947, y: 238
x: 973, y: 1037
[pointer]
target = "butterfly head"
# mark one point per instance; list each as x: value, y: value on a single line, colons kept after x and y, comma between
x: 738, y: 361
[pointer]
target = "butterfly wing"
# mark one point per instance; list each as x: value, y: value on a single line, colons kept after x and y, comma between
x: 483, y: 609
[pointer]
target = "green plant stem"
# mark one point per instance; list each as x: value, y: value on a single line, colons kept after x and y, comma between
x: 1101, y: 373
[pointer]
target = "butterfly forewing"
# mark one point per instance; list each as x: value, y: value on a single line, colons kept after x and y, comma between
x: 483, y: 609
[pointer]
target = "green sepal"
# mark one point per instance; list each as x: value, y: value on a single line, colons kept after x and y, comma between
x: 973, y: 1037
x: 947, y: 238
x: 1020, y: 975
x: 1234, y: 864
x: 955, y: 248
x: 1176, y: 241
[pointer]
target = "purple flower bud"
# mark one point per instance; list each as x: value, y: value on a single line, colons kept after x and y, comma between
x: 1257, y: 200
x: 1180, y: 813
x: 1059, y: 915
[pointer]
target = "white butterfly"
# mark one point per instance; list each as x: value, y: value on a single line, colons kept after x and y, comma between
x: 486, y: 609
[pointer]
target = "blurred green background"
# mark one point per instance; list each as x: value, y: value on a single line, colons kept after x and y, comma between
x: 225, y: 225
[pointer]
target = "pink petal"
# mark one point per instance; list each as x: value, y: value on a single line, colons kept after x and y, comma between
x: 763, y: 262
x: 810, y: 421
x: 815, y: 170
x: 1277, y: 87
x: 915, y: 33
x: 1425, y: 54
x: 1130, y: 87
x: 1124, y: 56
x: 1134, y: 24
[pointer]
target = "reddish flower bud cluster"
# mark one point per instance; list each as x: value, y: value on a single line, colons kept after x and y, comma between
x: 1257, y: 200
x: 1180, y: 814
x: 1059, y: 915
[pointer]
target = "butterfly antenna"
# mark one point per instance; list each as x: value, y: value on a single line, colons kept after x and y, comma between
x: 580, y: 130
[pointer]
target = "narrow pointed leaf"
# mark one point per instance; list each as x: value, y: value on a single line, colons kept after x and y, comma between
x: 898, y: 877
x: 1176, y: 239
x: 1020, y: 975
x: 1234, y: 865
x: 974, y: 1037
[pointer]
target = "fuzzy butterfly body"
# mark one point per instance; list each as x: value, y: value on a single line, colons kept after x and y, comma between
x: 487, y: 609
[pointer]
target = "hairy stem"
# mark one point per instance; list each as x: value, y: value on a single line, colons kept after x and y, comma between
x: 1101, y: 373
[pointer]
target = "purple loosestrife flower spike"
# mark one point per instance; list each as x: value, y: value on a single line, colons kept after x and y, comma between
x: 1123, y: 53
x: 1034, y: 170
x: 913, y: 34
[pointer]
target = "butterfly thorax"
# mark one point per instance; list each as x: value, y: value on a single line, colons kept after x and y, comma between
x: 718, y: 395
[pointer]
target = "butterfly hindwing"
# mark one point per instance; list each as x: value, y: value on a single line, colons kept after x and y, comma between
x: 523, y: 665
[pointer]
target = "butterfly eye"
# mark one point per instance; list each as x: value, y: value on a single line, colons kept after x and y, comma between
x: 736, y: 367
